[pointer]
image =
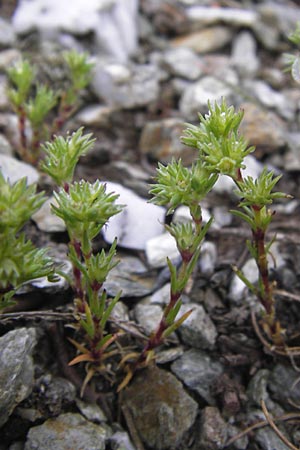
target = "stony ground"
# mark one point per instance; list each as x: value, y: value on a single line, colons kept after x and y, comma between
x: 157, y: 63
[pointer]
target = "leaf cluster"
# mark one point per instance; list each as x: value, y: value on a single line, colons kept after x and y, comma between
x: 85, y: 208
x: 20, y: 261
x: 62, y: 155
x: 220, y: 145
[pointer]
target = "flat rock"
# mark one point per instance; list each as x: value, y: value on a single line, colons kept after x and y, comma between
x: 206, y: 40
x: 160, y: 141
x: 182, y: 62
x: 206, y: 15
x: 262, y: 128
x: 197, y: 330
x: 137, y: 223
x: 196, y: 96
x: 161, y: 409
x: 65, y: 432
x: 131, y: 277
x: 14, y: 170
x: 126, y: 86
x: 198, y: 371
x: 112, y: 22
x: 17, y: 370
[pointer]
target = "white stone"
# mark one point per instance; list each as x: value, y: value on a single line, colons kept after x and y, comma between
x: 112, y: 21
x: 208, y: 15
x: 46, y: 220
x: 137, y: 223
x: 159, y: 248
x: 13, y: 170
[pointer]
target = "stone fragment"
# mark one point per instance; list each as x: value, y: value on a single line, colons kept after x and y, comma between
x: 95, y: 115
x: 244, y: 54
x: 196, y: 96
x: 14, y: 170
x: 113, y: 22
x: 183, y: 62
x: 271, y: 98
x: 121, y: 441
x: 213, y: 429
x: 7, y: 34
x: 65, y: 432
x: 160, y: 141
x: 198, y: 371
x: 148, y: 316
x: 262, y: 128
x: 197, y: 330
x: 268, y: 440
x: 159, y: 248
x: 5, y: 147
x: 17, y: 370
x: 206, y: 15
x: 46, y: 220
x: 204, y: 41
x: 161, y: 409
x: 283, y: 384
x: 292, y: 156
x: 91, y: 411
x: 137, y: 223
x: 123, y: 86
x: 131, y: 277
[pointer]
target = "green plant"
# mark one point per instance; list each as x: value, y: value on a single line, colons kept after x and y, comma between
x: 85, y: 208
x: 33, y: 102
x: 222, y: 150
x: 20, y: 261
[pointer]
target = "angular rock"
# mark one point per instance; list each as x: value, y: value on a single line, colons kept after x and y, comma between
x: 161, y: 409
x: 183, y: 62
x: 160, y: 141
x: 198, y: 371
x: 7, y: 35
x: 197, y: 330
x: 48, y: 221
x: 125, y: 86
x: 196, y: 96
x: 13, y: 170
x: 5, y: 147
x: 65, y: 432
x: 159, y: 248
x: 262, y: 128
x: 204, y: 41
x: 137, y: 223
x: 131, y: 277
x: 148, y: 316
x: 271, y: 98
x: 112, y: 22
x: 206, y: 15
x: 121, y: 441
x: 244, y: 54
x: 17, y: 370
x: 213, y: 430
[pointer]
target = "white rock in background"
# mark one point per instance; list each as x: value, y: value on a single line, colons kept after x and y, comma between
x: 244, y: 54
x: 112, y: 21
x: 14, y: 170
x: 159, y: 248
x: 137, y: 223
x: 196, y: 96
x: 125, y: 86
x: 46, y: 220
x: 203, y: 15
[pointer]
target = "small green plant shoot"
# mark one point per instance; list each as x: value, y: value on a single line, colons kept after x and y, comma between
x: 85, y: 208
x: 34, y: 103
x: 20, y: 260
